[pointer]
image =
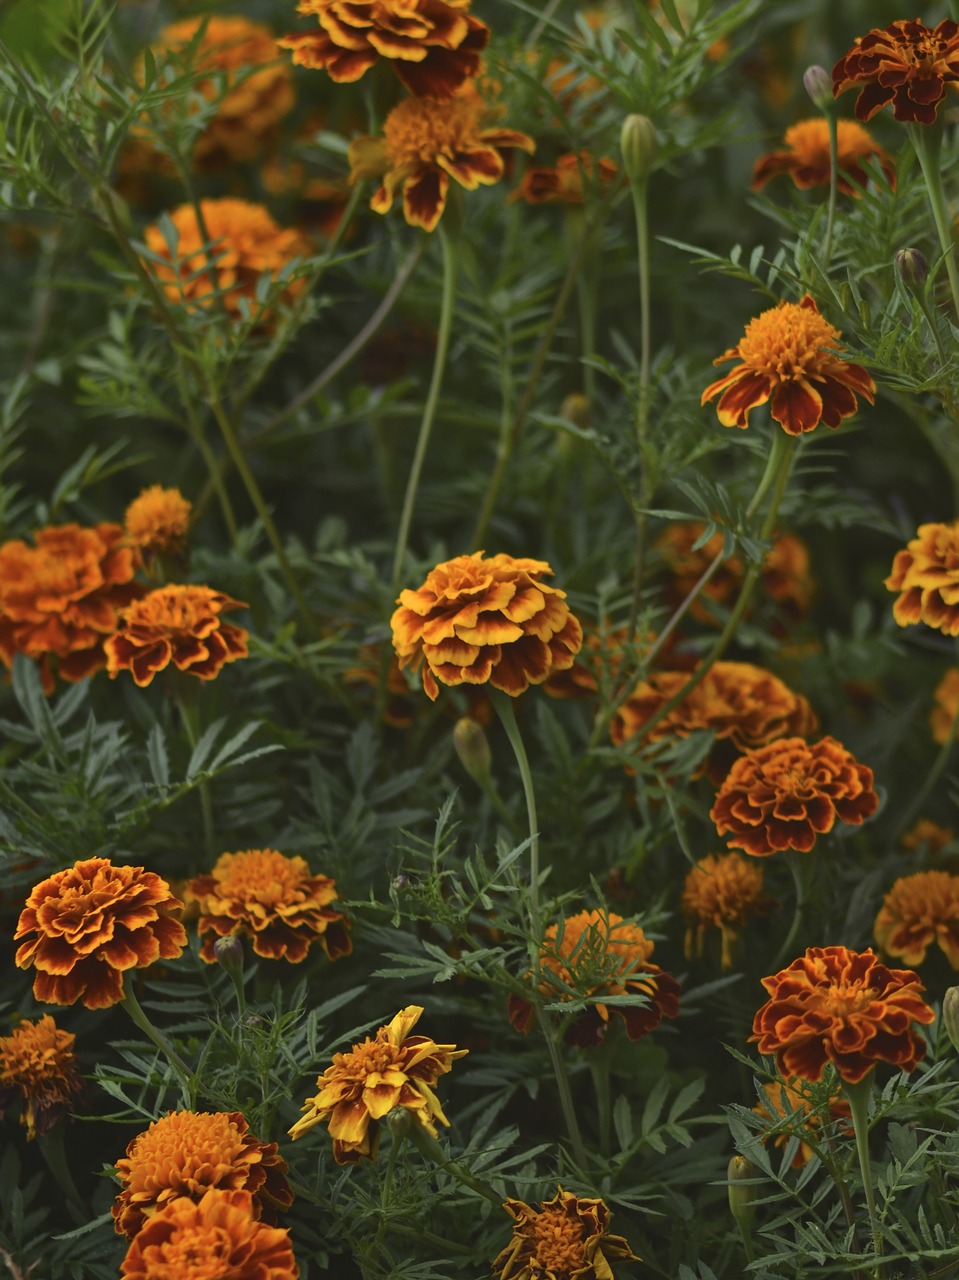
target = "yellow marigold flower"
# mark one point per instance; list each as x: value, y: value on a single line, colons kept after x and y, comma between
x: 178, y: 624
x: 722, y: 892
x: 920, y: 910
x: 424, y: 144
x: 926, y: 574
x: 244, y: 244
x: 272, y: 899
x: 157, y: 521
x: 787, y: 357
x: 806, y: 157
x: 184, y: 1153
x: 928, y: 833
x: 218, y: 1236
x: 478, y: 621
x: 566, y: 1238
x: 568, y: 181
x: 784, y: 1098
x: 394, y: 1069
x: 38, y: 1069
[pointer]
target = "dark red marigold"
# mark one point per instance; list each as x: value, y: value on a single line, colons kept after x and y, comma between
x: 906, y: 64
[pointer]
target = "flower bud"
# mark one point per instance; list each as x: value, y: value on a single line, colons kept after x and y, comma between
x: 912, y: 267
x: 472, y: 748
x: 577, y: 410
x: 639, y: 146
x: 229, y: 954
x: 740, y: 1174
x: 950, y: 1015
x: 400, y: 883
x: 818, y: 84
x: 399, y: 1121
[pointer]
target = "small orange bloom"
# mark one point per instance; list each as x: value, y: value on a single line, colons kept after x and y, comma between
x: 92, y: 923
x: 807, y: 160
x: 600, y: 954
x: 184, y: 1153
x: 906, y: 64
x: 393, y: 1070
x: 946, y: 708
x: 844, y: 1007
x: 38, y: 1069
x: 599, y: 663
x: 920, y: 910
x: 926, y: 574
x: 568, y: 181
x: 786, y: 1097
x: 929, y: 834
x: 272, y: 899
x: 566, y: 1238
x: 478, y: 621
x: 178, y: 624
x: 787, y: 357
x: 218, y: 1236
x: 157, y: 521
x: 424, y: 144
x: 722, y: 892
x: 786, y: 794
x: 59, y: 599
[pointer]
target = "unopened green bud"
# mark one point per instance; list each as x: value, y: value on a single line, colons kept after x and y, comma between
x: 229, y: 954
x: 950, y: 1015
x: 741, y: 1175
x: 912, y: 267
x: 818, y: 85
x: 399, y: 1121
x: 473, y: 749
x: 577, y: 410
x: 639, y: 146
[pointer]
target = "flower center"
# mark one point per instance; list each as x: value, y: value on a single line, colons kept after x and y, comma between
x: 787, y: 341
x: 559, y: 1242
x: 261, y: 876
x: 366, y: 1059
x: 419, y: 130
x: 844, y: 998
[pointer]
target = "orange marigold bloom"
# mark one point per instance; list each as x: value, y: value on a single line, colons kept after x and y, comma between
x: 600, y: 954
x: 946, y: 708
x: 566, y: 1238
x: 184, y: 1153
x: 178, y: 624
x: 787, y: 357
x: 59, y: 599
x: 479, y: 621
x: 424, y: 144
x: 784, y: 795
x: 573, y: 175
x: 394, y: 1069
x: 807, y: 161
x: 906, y: 64
x: 38, y: 1069
x: 92, y: 923
x: 920, y: 910
x: 784, y: 1098
x: 157, y: 521
x: 722, y: 892
x: 216, y: 1237
x: 926, y: 574
x: 272, y: 899
x: 244, y: 244
x: 928, y: 833
x: 844, y: 1007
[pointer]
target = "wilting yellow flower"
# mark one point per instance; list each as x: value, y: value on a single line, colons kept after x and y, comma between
x: 157, y: 520
x: 783, y: 1098
x: 38, y: 1069
x: 806, y: 157
x: 566, y: 1238
x: 918, y: 911
x: 722, y: 892
x: 926, y: 573
x: 394, y: 1069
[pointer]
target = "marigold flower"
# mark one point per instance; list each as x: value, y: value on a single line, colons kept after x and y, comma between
x: 157, y: 521
x: 275, y: 901
x: 920, y: 910
x: 786, y: 794
x: 38, y: 1069
x: 432, y: 45
x: 929, y: 834
x: 59, y: 599
x: 478, y: 621
x: 184, y: 1154
x: 600, y: 661
x: 93, y: 922
x: 946, y: 706
x: 566, y: 1238
x: 216, y: 1237
x: 784, y: 1098
x: 722, y: 892
x: 244, y: 244
x: 424, y: 144
x: 787, y: 357
x: 926, y: 573
x: 844, y: 1007
x: 600, y: 954
x: 568, y: 181
x: 394, y: 1069
x: 906, y: 64
x: 806, y: 157
x: 178, y: 624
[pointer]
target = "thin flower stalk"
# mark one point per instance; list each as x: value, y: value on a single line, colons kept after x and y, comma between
x: 639, y: 188
x: 833, y: 121
x: 430, y: 1147
x: 927, y: 144
x: 53, y: 1150
x: 857, y: 1096
x: 133, y: 1007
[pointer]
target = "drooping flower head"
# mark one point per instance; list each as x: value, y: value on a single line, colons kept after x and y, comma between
x: 90, y: 924
x: 273, y: 900
x: 945, y: 706
x: 926, y: 574
x: 184, y: 1153
x: 178, y: 624
x: 600, y: 954
x: 486, y: 621
x: 906, y: 64
x: 787, y: 356
x: 566, y: 1238
x: 59, y: 598
x: 156, y: 521
x: 216, y: 1238
x: 919, y: 911
x: 786, y: 794
x: 844, y: 1007
x: 38, y: 1069
x: 784, y: 1098
x: 722, y: 891
x: 806, y: 157
x: 568, y: 181
x: 394, y: 1069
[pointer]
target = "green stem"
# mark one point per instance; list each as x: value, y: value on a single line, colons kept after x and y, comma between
x: 503, y: 705
x: 833, y: 122
x: 189, y: 715
x: 927, y: 143
x: 599, y: 1068
x: 54, y: 1153
x: 562, y: 1083
x: 640, y: 191
x: 395, y: 1144
x: 857, y: 1095
x: 134, y: 1009
x: 429, y: 1147
x: 447, y: 307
